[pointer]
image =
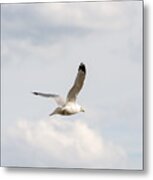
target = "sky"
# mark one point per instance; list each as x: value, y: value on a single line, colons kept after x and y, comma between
x: 42, y: 45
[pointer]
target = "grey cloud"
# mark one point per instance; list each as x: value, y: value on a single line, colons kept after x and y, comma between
x: 24, y: 22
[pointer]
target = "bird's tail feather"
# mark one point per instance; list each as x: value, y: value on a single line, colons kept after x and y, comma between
x: 51, y: 114
x: 56, y: 111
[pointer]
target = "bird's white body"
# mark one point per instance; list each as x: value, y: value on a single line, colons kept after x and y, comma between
x: 72, y: 108
x: 69, y: 108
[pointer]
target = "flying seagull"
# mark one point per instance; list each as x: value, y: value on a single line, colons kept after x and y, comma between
x: 68, y: 106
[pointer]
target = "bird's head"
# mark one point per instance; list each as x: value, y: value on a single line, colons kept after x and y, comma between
x: 82, y: 109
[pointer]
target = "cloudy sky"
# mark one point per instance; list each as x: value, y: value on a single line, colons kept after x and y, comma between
x: 42, y: 46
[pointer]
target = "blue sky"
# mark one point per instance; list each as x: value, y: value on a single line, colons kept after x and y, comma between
x: 42, y: 47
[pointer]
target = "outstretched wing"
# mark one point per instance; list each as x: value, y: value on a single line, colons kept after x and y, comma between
x: 59, y: 100
x: 74, y: 91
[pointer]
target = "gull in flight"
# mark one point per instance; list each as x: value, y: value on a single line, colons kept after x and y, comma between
x: 68, y: 106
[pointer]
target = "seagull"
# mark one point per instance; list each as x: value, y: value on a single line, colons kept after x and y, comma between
x: 68, y: 106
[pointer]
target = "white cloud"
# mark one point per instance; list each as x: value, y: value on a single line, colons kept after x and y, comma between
x: 70, y: 143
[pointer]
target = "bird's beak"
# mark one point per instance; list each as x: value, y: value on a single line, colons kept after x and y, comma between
x: 83, y: 110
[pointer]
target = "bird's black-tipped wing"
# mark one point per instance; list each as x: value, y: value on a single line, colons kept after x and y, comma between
x: 74, y: 91
x: 59, y: 100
